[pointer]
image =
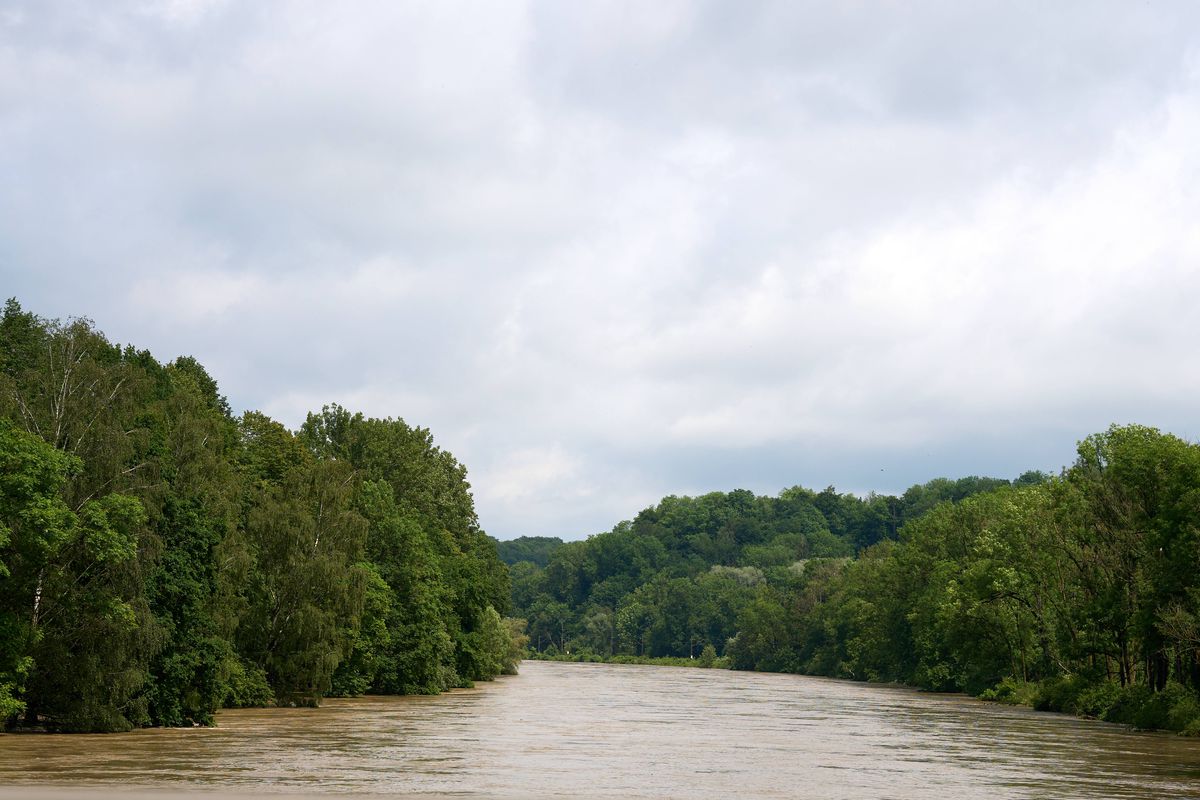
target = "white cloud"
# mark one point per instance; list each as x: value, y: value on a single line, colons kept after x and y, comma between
x: 620, y: 251
x: 525, y: 475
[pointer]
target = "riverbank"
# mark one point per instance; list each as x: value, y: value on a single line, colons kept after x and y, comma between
x: 1175, y: 709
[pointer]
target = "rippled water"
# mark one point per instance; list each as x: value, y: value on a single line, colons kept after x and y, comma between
x: 595, y: 730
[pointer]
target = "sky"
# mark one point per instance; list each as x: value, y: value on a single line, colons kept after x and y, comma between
x: 613, y: 251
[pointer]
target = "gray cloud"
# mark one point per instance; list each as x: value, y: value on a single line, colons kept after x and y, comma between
x: 613, y: 251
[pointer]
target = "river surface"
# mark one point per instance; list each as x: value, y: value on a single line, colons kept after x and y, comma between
x: 593, y: 730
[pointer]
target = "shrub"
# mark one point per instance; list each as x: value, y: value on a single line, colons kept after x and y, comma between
x: 1128, y: 706
x: 248, y: 685
x: 1056, y: 694
x: 1175, y: 708
x: 1012, y: 692
x: 1095, y: 701
x: 1184, y: 714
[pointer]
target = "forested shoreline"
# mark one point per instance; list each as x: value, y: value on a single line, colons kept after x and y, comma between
x: 1078, y: 592
x: 161, y: 558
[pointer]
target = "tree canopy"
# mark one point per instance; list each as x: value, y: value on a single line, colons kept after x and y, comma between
x: 161, y: 558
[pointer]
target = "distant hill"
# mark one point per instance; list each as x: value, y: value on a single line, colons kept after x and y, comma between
x: 535, y: 549
x: 681, y: 573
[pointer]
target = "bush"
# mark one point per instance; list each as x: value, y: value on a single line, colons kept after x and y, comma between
x: 1096, y: 701
x: 1184, y: 715
x: 10, y: 706
x: 1173, y: 709
x: 1056, y: 694
x: 1011, y: 692
x: 516, y: 646
x: 1127, y: 706
x: 248, y: 685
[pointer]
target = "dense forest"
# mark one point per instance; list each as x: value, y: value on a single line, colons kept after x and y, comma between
x: 161, y: 558
x: 1078, y: 592
x: 533, y: 549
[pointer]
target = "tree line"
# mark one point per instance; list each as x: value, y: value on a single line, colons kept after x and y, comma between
x: 161, y: 558
x: 677, y: 576
x: 1078, y: 592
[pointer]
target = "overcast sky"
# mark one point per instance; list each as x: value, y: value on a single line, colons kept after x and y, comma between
x: 613, y: 251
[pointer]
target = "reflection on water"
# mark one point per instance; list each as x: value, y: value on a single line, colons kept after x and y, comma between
x: 597, y: 730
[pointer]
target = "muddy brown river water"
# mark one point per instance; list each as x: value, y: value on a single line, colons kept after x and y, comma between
x: 592, y: 730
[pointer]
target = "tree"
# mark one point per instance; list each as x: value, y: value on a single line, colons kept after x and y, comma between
x: 306, y: 588
x: 419, y: 653
x: 35, y: 525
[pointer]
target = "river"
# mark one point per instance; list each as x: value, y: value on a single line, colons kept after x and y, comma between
x: 593, y: 730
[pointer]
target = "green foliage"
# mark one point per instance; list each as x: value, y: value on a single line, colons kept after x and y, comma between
x: 417, y: 654
x: 1011, y: 691
x: 246, y: 685
x: 306, y: 592
x: 372, y: 642
x: 35, y: 525
x: 533, y: 549
x: 1074, y: 594
x: 1098, y: 701
x: 94, y: 625
x: 431, y: 517
x: 1077, y: 593
x: 1174, y: 708
x: 1183, y: 711
x: 493, y: 644
x: 515, y: 643
x: 10, y: 706
x: 691, y: 572
x: 159, y: 559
